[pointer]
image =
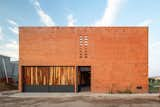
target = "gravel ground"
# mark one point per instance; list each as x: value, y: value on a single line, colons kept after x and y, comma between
x: 78, y: 100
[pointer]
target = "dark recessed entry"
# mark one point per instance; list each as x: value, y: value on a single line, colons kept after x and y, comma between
x: 84, y: 78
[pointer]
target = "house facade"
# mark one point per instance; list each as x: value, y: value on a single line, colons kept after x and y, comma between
x: 75, y: 59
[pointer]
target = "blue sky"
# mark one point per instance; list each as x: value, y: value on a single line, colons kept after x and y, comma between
x: 14, y: 13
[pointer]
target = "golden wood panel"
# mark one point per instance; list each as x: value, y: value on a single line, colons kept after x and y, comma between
x: 53, y: 75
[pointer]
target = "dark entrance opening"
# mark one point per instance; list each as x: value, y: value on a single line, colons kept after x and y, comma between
x: 84, y: 78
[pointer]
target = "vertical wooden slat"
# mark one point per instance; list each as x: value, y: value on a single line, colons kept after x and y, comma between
x: 68, y: 70
x: 56, y: 76
x: 41, y: 79
x: 44, y: 77
x: 66, y: 76
x: 36, y: 76
x: 59, y: 76
x: 73, y: 75
x: 40, y: 76
x: 70, y: 73
x: 58, y: 72
x: 68, y: 80
x: 45, y: 70
x: 29, y: 75
x: 50, y: 76
x: 56, y: 81
x: 53, y: 75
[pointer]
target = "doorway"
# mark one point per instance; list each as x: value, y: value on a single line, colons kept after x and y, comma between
x: 84, y: 78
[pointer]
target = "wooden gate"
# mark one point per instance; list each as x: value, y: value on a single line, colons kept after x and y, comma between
x: 48, y: 78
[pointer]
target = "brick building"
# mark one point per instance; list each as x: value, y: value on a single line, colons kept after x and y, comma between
x: 74, y: 59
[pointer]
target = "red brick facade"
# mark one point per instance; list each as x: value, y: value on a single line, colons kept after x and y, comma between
x: 118, y: 56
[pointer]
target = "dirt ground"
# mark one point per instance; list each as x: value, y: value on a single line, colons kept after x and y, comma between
x: 4, y: 86
x: 80, y: 101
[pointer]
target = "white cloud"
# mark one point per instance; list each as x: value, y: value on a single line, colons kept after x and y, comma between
x: 145, y: 22
x: 12, y: 45
x: 1, y: 34
x: 155, y: 44
x: 12, y: 22
x: 14, y: 30
x: 13, y: 26
x: 71, y: 20
x: 44, y: 17
x: 154, y: 54
x: 111, y: 12
x: 10, y: 49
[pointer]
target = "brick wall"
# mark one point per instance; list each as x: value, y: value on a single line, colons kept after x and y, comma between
x: 118, y: 56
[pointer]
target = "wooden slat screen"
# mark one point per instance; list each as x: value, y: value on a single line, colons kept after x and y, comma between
x: 53, y: 75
